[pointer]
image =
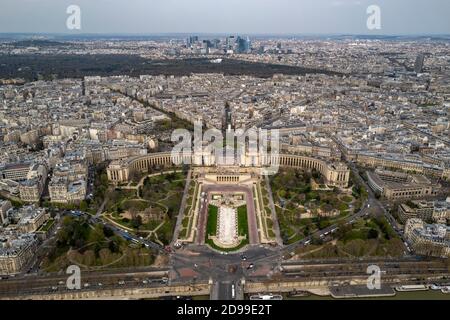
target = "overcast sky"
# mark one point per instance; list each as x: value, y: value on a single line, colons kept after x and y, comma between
x: 227, y: 16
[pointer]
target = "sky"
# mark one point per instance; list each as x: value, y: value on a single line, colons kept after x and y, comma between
x: 398, y: 17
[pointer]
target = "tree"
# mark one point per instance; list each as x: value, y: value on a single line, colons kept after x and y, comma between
x: 135, y: 176
x: 96, y: 235
x: 355, y: 247
x: 324, y: 223
x: 372, y: 234
x: 89, y: 258
x: 316, y: 240
x: 315, y: 174
x: 133, y: 212
x: 107, y: 231
x: 105, y: 256
x: 114, y: 244
x: 83, y: 206
x: 136, y: 221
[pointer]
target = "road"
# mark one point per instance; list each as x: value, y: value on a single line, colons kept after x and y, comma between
x: 180, y: 217
x: 371, y: 205
x: 266, y: 260
x: 389, y: 268
x: 56, y: 282
x: 199, y: 263
x: 123, y: 233
x: 204, y: 264
x: 374, y: 202
x: 42, y: 250
x: 227, y: 290
x: 276, y: 227
x: 274, y: 257
x: 409, y: 270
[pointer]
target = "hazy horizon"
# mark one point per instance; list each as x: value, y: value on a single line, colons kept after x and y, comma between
x: 257, y: 17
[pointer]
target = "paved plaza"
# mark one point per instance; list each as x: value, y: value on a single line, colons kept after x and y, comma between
x: 227, y: 232
x: 251, y: 217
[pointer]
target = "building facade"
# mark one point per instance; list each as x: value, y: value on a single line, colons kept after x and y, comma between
x: 428, y: 239
x: 16, y: 250
x: 396, y: 185
x: 336, y: 174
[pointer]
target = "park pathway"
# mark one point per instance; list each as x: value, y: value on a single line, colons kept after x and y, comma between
x: 276, y: 227
x: 182, y: 206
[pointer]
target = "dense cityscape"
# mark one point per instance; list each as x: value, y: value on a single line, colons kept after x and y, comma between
x: 319, y: 163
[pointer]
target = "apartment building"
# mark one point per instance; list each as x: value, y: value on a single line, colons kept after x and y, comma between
x: 16, y: 250
x: 428, y: 239
x: 395, y: 185
x: 437, y: 211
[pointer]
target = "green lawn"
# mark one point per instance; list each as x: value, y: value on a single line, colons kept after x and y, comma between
x: 242, y: 221
x: 185, y: 222
x: 134, y: 204
x: 211, y: 226
x: 92, y: 245
x: 240, y: 246
x: 292, y: 190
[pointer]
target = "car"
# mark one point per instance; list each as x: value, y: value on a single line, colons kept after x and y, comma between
x: 86, y: 285
x: 435, y: 286
x: 100, y: 284
x: 177, y: 245
x: 144, y: 281
x: 250, y: 266
x: 54, y: 288
x: 243, y: 258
